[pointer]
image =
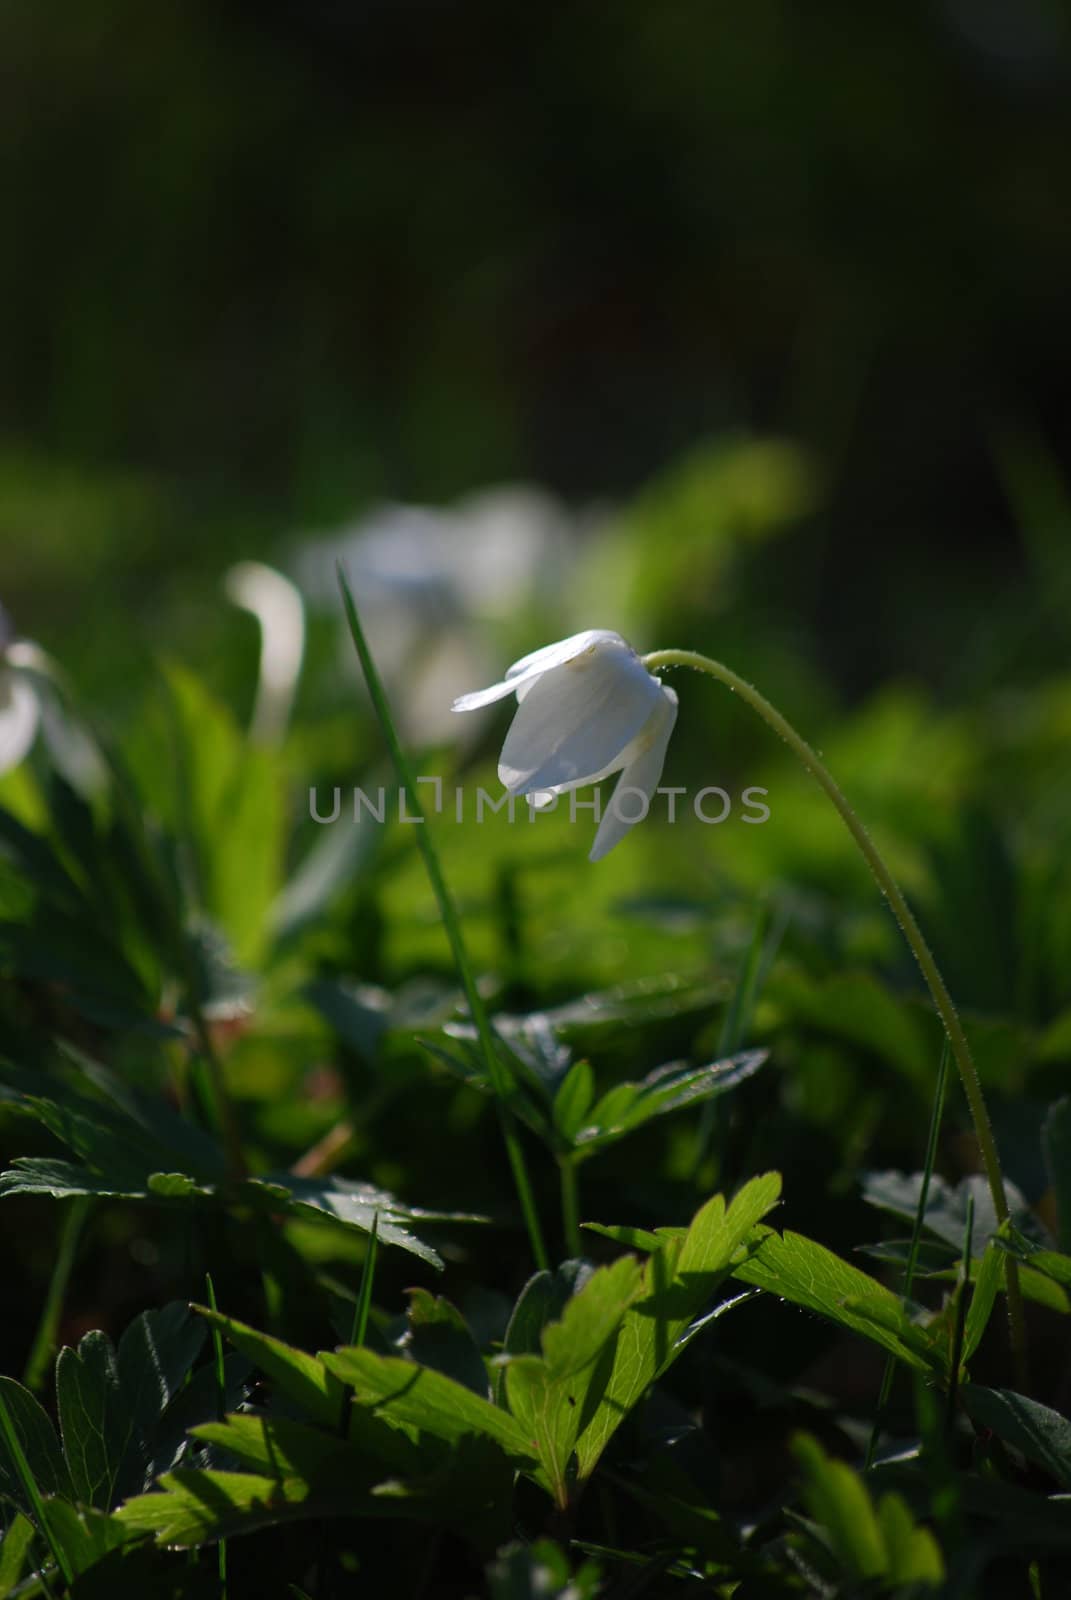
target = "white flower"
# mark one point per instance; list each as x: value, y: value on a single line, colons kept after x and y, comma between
x: 278, y: 608
x: 19, y: 717
x: 587, y: 707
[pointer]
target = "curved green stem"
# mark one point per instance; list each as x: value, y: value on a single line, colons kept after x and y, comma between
x: 972, y: 1088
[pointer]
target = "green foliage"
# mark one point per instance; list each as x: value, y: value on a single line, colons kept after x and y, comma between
x: 237, y: 1050
x: 808, y: 1275
x: 864, y: 1541
x: 1041, y: 1434
x: 680, y: 1277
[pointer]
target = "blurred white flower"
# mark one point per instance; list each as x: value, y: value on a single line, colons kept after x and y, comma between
x: 30, y: 703
x: 19, y: 717
x: 586, y: 707
x: 278, y: 608
x: 427, y: 579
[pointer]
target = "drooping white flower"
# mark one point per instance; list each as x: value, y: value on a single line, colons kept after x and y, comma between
x: 586, y: 707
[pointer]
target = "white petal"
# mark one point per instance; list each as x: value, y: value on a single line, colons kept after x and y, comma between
x: 18, y: 719
x: 576, y: 721
x: 482, y: 697
x: 523, y: 673
x: 646, y: 760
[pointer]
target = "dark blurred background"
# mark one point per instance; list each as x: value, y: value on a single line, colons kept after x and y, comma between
x: 269, y: 264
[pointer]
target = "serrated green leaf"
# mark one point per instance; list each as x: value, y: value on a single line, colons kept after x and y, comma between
x: 405, y: 1393
x: 679, y: 1281
x: 551, y: 1395
x: 93, y: 1426
x: 804, y: 1272
x: 946, y: 1204
x: 194, y: 1506
x: 304, y: 1378
x: 1041, y: 1434
x: 666, y: 1089
x: 37, y: 1436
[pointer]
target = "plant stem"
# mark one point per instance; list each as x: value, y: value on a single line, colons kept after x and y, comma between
x: 496, y: 1072
x: 44, y: 1343
x: 221, y: 1411
x: 364, y: 1295
x: 965, y: 1292
x: 916, y: 1236
x: 968, y: 1072
x: 570, y: 1189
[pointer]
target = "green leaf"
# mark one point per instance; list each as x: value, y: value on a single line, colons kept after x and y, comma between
x: 195, y: 1506
x: 807, y: 1274
x: 680, y: 1278
x: 16, y: 1550
x: 1042, y: 1435
x: 865, y: 1542
x: 856, y: 1007
x: 60, y: 1179
x: 573, y: 1101
x: 93, y: 1424
x: 1056, y: 1146
x: 912, y: 1553
x: 425, y: 1399
x: 988, y: 1279
x: 156, y: 1353
x: 1051, y: 1263
x: 838, y: 1501
x: 946, y: 1205
x: 551, y: 1396
x: 40, y: 1446
x: 86, y: 1535
x: 437, y: 1336
x: 279, y: 1448
x: 629, y: 1105
x: 305, y: 1379
x: 633, y: 1238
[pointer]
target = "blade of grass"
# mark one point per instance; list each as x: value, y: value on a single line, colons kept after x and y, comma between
x: 221, y: 1409
x: 916, y: 1236
x: 364, y: 1294
x: 46, y: 1338
x: 496, y: 1071
x: 33, y: 1493
x: 961, y: 1312
x: 761, y: 951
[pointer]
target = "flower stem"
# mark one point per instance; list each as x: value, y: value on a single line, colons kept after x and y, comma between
x: 972, y: 1088
x: 570, y: 1191
x: 496, y: 1071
